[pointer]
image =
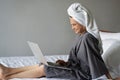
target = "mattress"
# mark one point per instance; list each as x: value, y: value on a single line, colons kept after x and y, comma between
x: 30, y: 60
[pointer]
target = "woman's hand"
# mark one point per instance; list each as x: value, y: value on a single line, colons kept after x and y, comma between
x: 61, y: 62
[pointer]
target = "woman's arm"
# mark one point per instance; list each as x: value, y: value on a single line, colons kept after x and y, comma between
x: 108, y: 76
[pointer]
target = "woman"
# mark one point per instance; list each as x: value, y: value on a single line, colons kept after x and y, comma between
x: 84, y: 63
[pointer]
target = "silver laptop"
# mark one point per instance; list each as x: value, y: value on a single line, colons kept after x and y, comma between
x: 37, y: 52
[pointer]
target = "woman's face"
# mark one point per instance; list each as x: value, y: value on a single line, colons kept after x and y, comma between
x: 78, y: 28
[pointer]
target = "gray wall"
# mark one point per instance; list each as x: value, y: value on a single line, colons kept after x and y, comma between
x: 46, y: 22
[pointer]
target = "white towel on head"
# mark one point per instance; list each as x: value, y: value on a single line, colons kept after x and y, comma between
x: 83, y: 16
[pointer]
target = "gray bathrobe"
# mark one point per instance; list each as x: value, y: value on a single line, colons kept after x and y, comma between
x: 84, y: 63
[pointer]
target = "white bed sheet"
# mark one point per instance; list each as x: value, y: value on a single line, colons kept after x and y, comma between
x: 30, y: 60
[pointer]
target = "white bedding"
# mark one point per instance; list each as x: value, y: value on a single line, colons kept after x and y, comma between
x: 111, y: 52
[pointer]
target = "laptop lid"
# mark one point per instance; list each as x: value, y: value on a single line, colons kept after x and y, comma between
x: 37, y: 52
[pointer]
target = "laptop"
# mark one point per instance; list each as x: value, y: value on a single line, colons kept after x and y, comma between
x: 37, y: 52
x: 39, y: 55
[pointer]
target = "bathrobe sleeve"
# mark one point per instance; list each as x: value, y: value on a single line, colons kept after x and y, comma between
x: 93, y: 57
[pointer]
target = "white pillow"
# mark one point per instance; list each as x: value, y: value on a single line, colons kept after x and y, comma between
x: 111, y: 56
x: 107, y: 43
x: 106, y: 35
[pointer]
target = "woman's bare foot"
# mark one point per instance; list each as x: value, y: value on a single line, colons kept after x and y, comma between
x: 3, y: 71
x: 1, y: 74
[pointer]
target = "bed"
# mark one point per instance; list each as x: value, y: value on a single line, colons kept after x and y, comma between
x: 111, y: 56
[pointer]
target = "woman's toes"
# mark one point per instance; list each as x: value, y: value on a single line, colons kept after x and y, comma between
x: 1, y: 74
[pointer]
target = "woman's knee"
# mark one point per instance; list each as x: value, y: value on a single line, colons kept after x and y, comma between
x: 42, y: 69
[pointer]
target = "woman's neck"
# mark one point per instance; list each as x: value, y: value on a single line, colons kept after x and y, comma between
x: 83, y: 32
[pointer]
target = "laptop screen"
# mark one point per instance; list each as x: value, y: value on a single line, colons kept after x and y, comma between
x: 37, y: 52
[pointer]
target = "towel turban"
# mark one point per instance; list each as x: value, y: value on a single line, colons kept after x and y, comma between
x: 83, y: 16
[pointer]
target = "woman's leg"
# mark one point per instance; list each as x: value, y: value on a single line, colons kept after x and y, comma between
x: 9, y: 70
x: 23, y: 72
x: 30, y: 73
x: 21, y: 69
